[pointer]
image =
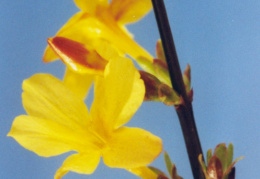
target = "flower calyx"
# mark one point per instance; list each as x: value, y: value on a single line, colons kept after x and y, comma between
x: 155, y: 90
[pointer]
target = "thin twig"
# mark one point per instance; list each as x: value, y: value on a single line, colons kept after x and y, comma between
x: 185, y: 112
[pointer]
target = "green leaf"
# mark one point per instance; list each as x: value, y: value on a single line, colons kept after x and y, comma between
x: 157, y: 171
x: 221, y: 153
x: 230, y: 154
x: 168, y: 163
x: 203, y: 166
x: 209, y: 155
x: 229, y: 169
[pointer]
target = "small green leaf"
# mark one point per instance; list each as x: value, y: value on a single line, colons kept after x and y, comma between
x: 168, y: 163
x: 230, y: 154
x: 228, y: 170
x: 221, y: 153
x: 157, y: 171
x: 209, y: 155
x: 203, y: 166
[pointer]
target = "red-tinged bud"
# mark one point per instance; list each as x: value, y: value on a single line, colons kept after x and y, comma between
x: 220, y: 164
x: 190, y: 95
x: 168, y: 95
x: 187, y: 72
x: 161, y: 64
x: 159, y: 51
x: 158, y: 91
x: 76, y: 56
x: 151, y: 86
x: 187, y: 78
x: 215, y: 169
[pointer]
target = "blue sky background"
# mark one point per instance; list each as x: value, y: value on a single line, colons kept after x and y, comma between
x: 219, y: 39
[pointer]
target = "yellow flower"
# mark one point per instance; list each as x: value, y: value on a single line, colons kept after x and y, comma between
x: 83, y: 63
x: 99, y: 19
x: 58, y: 121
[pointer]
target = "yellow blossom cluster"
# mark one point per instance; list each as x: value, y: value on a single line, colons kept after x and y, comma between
x: 92, y: 45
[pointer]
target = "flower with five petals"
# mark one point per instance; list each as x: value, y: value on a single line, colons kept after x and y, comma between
x: 58, y: 121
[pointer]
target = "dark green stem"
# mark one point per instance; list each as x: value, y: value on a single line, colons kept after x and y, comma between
x: 185, y: 111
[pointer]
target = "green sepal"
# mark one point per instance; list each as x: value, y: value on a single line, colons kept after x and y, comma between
x: 157, y: 171
x: 229, y: 169
x: 229, y: 155
x: 155, y: 90
x: 159, y: 51
x: 209, y: 155
x: 187, y: 78
x: 162, y: 72
x: 221, y: 153
x: 168, y: 96
x: 203, y: 166
x: 145, y: 64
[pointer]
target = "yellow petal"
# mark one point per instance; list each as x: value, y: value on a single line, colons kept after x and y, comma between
x: 78, y: 83
x: 128, y: 11
x: 131, y: 148
x: 90, y: 5
x: 84, y: 163
x: 85, y: 28
x: 77, y: 56
x: 119, y: 37
x: 133, y: 103
x: 106, y: 50
x: 49, y: 54
x: 47, y: 138
x: 143, y: 172
x: 47, y: 97
x: 118, y: 95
